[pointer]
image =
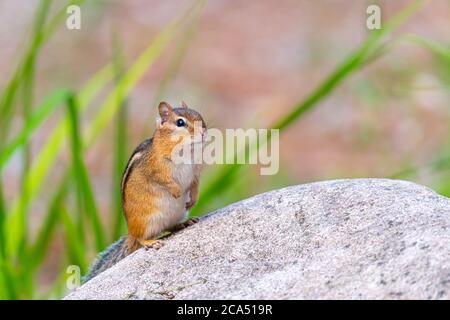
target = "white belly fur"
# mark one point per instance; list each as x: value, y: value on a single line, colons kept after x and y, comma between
x: 172, y: 211
x: 184, y: 175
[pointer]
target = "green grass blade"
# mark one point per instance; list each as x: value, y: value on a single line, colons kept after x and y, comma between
x: 48, y: 227
x: 47, y: 108
x: 81, y: 176
x: 26, y: 64
x: 76, y: 168
x: 433, y: 46
x: 442, y: 160
x: 351, y: 64
x: 6, y: 289
x: 23, y: 77
x: 135, y: 73
x: 75, y: 251
x: 120, y: 145
x: 121, y: 155
x: 47, y: 157
x: 16, y: 223
x: 6, y: 104
x: 36, y: 253
x: 58, y: 18
x: 2, y: 221
x: 7, y: 283
x: 28, y: 73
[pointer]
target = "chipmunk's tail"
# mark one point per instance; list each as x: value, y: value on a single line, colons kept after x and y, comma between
x: 113, y: 254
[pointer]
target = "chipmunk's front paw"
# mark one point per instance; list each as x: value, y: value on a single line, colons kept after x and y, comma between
x: 191, y: 222
x: 190, y: 204
x: 185, y: 224
x: 175, y: 191
x: 152, y: 244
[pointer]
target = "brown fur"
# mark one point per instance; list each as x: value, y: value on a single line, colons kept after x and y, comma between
x: 154, y: 189
x: 154, y: 174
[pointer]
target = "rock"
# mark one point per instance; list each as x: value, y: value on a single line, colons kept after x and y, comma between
x: 343, y: 239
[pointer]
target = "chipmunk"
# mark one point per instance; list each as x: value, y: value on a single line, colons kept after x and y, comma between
x: 156, y: 190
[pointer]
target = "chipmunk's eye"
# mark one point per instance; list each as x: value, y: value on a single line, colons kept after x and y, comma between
x: 181, y: 123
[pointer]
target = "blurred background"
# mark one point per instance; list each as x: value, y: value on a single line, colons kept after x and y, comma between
x: 350, y: 102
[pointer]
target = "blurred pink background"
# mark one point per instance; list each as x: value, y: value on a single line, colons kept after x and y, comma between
x: 246, y: 65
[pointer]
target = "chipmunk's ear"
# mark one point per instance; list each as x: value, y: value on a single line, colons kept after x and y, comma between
x: 183, y: 104
x: 165, y: 110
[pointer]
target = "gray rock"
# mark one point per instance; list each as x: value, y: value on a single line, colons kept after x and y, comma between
x: 343, y: 239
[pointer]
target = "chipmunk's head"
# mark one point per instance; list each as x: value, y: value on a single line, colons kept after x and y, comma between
x: 183, y: 124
